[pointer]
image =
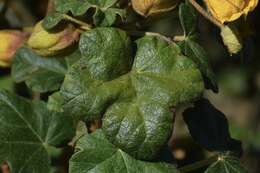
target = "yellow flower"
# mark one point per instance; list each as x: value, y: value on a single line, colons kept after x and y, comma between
x: 47, y: 43
x: 10, y: 41
x: 230, y: 10
x: 151, y: 7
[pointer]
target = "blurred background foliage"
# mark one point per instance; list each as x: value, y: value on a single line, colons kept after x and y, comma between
x: 238, y: 77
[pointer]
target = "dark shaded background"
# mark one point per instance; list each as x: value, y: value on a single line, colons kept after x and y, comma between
x: 238, y: 77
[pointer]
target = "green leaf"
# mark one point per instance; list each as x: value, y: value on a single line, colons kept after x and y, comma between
x: 27, y: 129
x: 55, y: 102
x: 106, y: 54
x: 135, y: 102
x: 226, y: 163
x: 110, y: 15
x: 105, y: 14
x: 194, y: 51
x: 51, y: 20
x: 211, y: 131
x: 41, y: 74
x: 95, y: 154
x: 79, y: 7
x: 188, y: 19
x: 6, y: 83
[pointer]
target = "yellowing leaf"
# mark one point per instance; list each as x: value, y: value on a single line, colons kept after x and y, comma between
x: 47, y: 43
x: 10, y: 41
x: 150, y: 7
x: 230, y: 10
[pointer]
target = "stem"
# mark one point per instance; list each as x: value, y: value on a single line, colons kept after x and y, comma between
x: 36, y: 96
x: 205, y: 13
x: 50, y: 7
x: 199, y: 164
x: 143, y: 33
x: 5, y: 168
x: 179, y: 38
x: 84, y: 26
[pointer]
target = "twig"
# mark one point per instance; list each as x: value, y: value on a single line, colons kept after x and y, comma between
x: 5, y: 168
x: 205, y: 13
x: 36, y: 96
x: 50, y: 7
x: 143, y: 33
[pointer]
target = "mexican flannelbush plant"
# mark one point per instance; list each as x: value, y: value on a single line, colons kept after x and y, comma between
x: 94, y: 67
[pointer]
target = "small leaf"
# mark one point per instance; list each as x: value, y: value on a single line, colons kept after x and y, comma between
x: 188, y: 19
x: 80, y: 7
x: 95, y: 154
x: 51, y: 20
x: 40, y: 74
x: 55, y: 102
x: 105, y: 14
x: 209, y: 127
x: 226, y: 163
x: 110, y: 16
x: 27, y: 129
x: 194, y: 51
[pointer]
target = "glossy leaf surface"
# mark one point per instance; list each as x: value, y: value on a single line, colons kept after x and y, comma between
x: 136, y: 102
x: 95, y: 154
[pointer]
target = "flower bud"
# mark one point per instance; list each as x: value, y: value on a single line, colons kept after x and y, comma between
x: 10, y: 41
x: 152, y: 7
x: 231, y: 39
x: 230, y: 10
x: 47, y: 43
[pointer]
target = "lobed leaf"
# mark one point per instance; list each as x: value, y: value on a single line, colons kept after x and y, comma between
x: 27, y: 130
x: 136, y: 103
x: 95, y: 154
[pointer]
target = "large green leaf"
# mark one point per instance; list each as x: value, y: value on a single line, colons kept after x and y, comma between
x: 226, y: 163
x: 95, y: 154
x: 136, y: 102
x: 27, y: 130
x: 41, y: 74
